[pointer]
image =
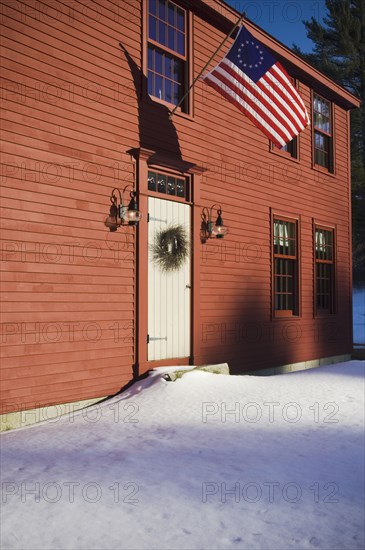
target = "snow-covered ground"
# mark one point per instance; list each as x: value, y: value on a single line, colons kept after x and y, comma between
x: 206, y: 462
x: 358, y: 302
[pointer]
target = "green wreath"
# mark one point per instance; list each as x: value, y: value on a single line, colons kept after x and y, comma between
x: 170, y: 248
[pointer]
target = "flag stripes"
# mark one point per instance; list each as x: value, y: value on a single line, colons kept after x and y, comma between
x: 262, y: 122
x: 270, y: 101
x: 262, y: 94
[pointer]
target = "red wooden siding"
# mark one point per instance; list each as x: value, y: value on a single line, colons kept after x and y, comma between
x: 249, y: 182
x: 68, y: 284
x: 71, y: 112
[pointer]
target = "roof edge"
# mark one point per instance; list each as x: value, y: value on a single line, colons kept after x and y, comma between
x: 297, y: 66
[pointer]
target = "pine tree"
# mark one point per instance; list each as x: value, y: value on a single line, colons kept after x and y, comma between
x: 339, y: 52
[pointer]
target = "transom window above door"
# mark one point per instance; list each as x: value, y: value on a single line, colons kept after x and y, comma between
x: 168, y: 184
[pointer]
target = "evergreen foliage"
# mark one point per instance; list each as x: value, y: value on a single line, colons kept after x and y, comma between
x: 339, y: 52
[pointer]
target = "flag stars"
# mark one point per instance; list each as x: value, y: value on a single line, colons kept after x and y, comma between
x: 241, y: 52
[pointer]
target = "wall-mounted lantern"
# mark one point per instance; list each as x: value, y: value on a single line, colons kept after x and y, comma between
x: 209, y: 228
x: 119, y: 213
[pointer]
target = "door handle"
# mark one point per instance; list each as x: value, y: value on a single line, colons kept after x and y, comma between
x: 187, y: 286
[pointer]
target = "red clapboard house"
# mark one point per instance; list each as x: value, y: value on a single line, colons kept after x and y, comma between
x: 87, y: 136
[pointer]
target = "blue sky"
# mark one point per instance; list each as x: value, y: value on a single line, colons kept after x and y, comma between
x: 283, y: 19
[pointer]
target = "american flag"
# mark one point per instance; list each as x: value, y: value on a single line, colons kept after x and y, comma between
x: 251, y: 78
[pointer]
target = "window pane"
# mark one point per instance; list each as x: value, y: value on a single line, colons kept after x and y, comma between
x: 324, y: 286
x: 152, y: 6
x: 168, y: 66
x: 171, y: 14
x: 322, y: 114
x: 162, y: 9
x: 321, y: 149
x: 152, y: 177
x: 171, y: 185
x: 152, y: 26
x: 180, y: 185
x: 158, y: 87
x: 322, y: 123
x: 150, y: 58
x: 320, y: 245
x: 168, y: 91
x: 284, y: 238
x: 175, y: 94
x: 324, y: 108
x: 162, y: 27
x: 171, y: 38
x: 324, y: 245
x: 151, y: 83
x: 326, y: 126
x: 166, y: 70
x: 285, y: 269
x: 176, y: 69
x: 320, y: 158
x: 284, y: 284
x: 158, y: 62
x: 161, y: 183
x: 319, y: 140
x: 180, y: 20
x: 180, y: 43
x: 290, y: 147
x: 315, y: 103
x: 317, y: 120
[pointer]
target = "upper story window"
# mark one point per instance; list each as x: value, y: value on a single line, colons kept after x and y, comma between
x: 290, y: 149
x: 285, y: 267
x: 167, y: 52
x: 322, y: 132
x: 324, y: 270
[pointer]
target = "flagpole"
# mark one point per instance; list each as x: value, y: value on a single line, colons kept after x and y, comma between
x: 205, y: 66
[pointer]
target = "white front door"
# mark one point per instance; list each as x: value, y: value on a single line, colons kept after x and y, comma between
x: 169, y: 292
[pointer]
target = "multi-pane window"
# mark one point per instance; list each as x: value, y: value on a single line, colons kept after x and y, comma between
x: 324, y: 269
x: 285, y: 272
x: 167, y: 51
x: 322, y: 133
x: 290, y: 148
x: 168, y: 185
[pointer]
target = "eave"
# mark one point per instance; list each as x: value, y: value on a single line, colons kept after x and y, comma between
x: 223, y: 17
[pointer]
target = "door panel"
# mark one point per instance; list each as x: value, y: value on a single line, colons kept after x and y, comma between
x: 169, y: 294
